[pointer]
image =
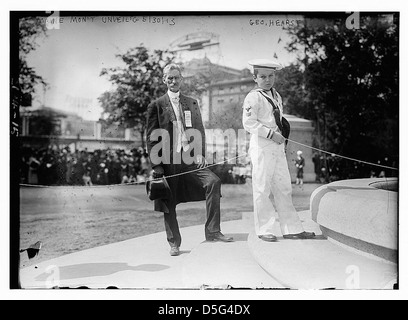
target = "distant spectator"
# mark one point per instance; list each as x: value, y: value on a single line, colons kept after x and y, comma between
x: 145, y: 165
x: 317, y: 166
x: 239, y: 174
x: 24, y: 169
x: 33, y: 164
x: 300, y: 163
x: 87, y: 178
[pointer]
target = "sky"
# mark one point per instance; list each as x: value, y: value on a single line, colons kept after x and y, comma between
x: 74, y: 52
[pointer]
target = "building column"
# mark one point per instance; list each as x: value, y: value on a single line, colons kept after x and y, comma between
x: 97, y: 130
x: 128, y: 132
x: 25, y: 126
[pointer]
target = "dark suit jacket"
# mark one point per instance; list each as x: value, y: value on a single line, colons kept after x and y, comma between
x: 160, y: 115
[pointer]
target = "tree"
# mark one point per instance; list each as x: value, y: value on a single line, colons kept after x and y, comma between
x: 30, y: 29
x: 134, y: 86
x: 350, y: 83
x: 290, y: 85
x: 138, y: 83
x: 44, y: 123
x: 196, y: 85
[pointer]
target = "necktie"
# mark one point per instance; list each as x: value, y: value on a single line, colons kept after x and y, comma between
x: 176, y: 100
x: 276, y: 111
x: 182, y: 139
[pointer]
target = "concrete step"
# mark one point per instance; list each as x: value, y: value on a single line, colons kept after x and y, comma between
x: 226, y: 265
x: 360, y: 215
x: 320, y: 263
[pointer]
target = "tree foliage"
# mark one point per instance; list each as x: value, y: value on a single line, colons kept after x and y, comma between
x: 196, y: 85
x: 347, y: 81
x: 30, y: 29
x: 135, y: 85
x: 290, y: 85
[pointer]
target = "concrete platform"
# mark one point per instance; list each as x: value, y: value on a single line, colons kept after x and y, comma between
x: 359, y: 214
x: 145, y: 263
x: 321, y: 264
x: 247, y: 263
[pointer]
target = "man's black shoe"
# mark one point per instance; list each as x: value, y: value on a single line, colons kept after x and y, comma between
x: 175, y: 251
x: 218, y: 236
x: 268, y: 238
x: 300, y: 236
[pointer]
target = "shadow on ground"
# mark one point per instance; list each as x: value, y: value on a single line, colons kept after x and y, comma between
x: 85, y: 270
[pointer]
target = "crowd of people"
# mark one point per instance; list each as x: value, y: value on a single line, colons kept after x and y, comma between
x: 330, y: 168
x: 62, y: 166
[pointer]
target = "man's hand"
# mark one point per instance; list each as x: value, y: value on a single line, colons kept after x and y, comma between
x: 201, y: 162
x: 158, y: 172
x: 278, y: 138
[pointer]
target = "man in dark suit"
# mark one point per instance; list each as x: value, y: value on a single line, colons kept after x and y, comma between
x: 176, y: 145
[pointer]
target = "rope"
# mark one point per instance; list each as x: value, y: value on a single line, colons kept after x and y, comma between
x: 213, y: 165
x: 136, y: 183
x: 340, y: 156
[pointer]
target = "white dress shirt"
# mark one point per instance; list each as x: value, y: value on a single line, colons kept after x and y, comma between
x: 181, y: 136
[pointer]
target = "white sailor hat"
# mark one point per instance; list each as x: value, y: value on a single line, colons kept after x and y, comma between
x: 265, y: 64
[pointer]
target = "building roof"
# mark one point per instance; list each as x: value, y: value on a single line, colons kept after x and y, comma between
x: 232, y: 81
x: 299, y: 122
x: 46, y: 110
x: 208, y: 68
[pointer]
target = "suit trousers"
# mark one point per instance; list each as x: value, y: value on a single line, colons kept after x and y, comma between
x: 203, y: 178
x: 271, y: 177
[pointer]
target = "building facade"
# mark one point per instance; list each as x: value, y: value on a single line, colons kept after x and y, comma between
x: 43, y: 126
x: 222, y: 94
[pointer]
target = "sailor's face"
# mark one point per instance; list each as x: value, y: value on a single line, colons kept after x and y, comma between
x: 265, y: 78
x: 173, y: 80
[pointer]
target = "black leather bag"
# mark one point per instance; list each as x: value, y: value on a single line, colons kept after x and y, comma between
x: 158, y: 189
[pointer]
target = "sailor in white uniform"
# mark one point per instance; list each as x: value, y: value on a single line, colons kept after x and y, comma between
x: 270, y: 172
